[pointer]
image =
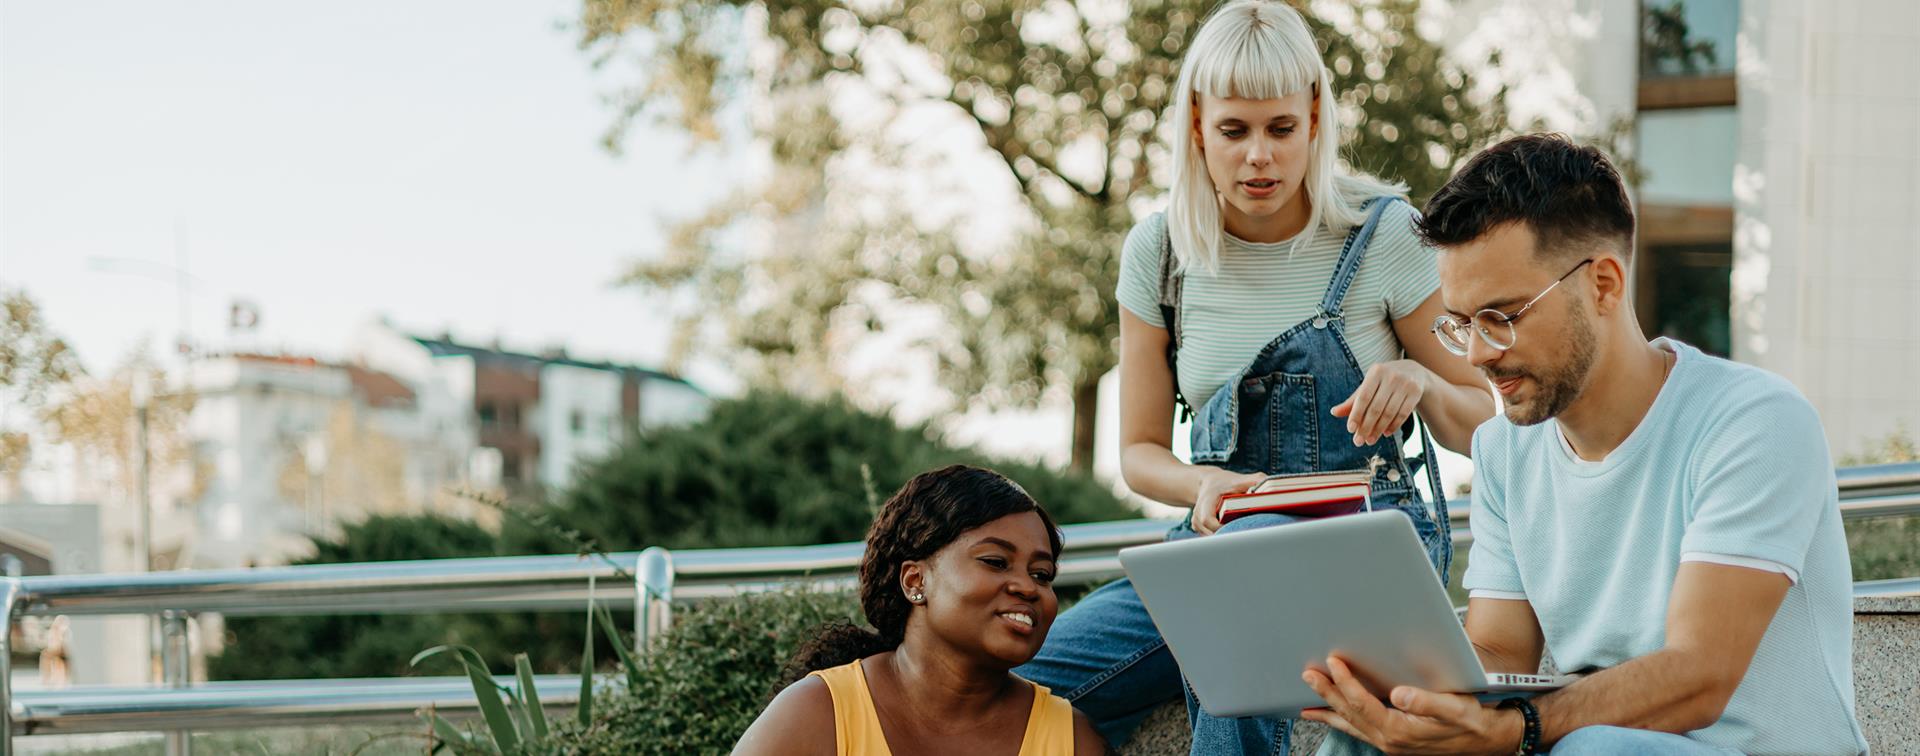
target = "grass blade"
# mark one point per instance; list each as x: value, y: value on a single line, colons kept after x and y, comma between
x: 536, y: 716
x: 447, y: 733
x: 585, y: 707
x: 486, y: 692
x: 619, y: 647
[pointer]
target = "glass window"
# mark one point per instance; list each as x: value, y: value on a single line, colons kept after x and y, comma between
x: 1687, y: 156
x: 1687, y: 37
x: 1692, y: 292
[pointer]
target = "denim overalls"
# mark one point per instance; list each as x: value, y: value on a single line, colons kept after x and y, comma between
x: 1274, y: 416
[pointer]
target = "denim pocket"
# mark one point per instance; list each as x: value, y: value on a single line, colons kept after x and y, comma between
x: 1291, y: 443
x: 1216, y: 427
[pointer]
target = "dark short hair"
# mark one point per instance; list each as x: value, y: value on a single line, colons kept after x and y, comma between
x: 1569, y: 195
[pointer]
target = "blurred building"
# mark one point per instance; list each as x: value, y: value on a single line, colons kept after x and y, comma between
x: 539, y: 416
x: 1778, y: 143
x: 287, y: 446
x: 64, y: 539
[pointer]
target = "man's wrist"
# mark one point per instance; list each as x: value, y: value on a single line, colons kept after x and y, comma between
x: 1511, y: 734
x: 1530, y: 727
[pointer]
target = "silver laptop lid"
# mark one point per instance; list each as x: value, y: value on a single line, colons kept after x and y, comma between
x: 1245, y: 613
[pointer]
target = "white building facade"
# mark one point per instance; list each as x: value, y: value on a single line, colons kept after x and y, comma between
x: 1779, y: 203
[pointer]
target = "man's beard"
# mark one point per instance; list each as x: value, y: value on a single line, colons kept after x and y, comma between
x: 1556, y: 386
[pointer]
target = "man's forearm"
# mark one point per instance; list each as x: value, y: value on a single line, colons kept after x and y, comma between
x: 1667, y: 690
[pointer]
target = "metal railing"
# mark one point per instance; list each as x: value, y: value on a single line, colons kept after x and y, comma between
x: 536, y: 583
x: 498, y: 584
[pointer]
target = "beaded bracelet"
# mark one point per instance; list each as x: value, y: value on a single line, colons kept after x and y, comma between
x: 1530, y: 739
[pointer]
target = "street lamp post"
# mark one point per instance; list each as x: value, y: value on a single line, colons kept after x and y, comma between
x: 143, y: 496
x: 142, y: 395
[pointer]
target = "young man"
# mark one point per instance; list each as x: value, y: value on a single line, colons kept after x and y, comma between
x: 1665, y: 517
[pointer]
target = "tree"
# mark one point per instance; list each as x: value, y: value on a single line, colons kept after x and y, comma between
x: 97, y: 417
x: 34, y: 363
x: 866, y: 107
x: 1666, y: 44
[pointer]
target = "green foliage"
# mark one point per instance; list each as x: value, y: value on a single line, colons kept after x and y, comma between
x: 1666, y: 44
x: 934, y: 79
x: 1886, y: 547
x: 695, y: 691
x: 519, y: 724
x: 706, y: 679
x: 769, y: 469
x: 362, y: 645
x: 766, y: 469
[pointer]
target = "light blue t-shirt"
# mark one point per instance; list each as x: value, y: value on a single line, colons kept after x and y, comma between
x: 1729, y: 465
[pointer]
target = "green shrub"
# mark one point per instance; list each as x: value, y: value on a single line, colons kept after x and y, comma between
x: 771, y: 469
x: 706, y: 679
x: 766, y: 469
x: 266, y: 648
x: 1886, y: 547
x: 698, y: 688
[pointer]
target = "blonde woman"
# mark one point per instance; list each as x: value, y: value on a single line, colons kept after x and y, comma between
x: 1285, y: 303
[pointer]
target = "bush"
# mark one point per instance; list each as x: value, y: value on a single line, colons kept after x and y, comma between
x: 1887, y: 547
x: 766, y: 469
x: 262, y: 648
x: 706, y: 679
x: 695, y: 691
x: 771, y: 469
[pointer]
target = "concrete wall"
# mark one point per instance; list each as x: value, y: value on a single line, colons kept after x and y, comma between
x: 1827, y: 208
x: 671, y: 403
x: 250, y: 420
x: 100, y: 649
x: 578, y: 420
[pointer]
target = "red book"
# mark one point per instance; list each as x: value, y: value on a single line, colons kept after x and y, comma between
x: 1308, y: 495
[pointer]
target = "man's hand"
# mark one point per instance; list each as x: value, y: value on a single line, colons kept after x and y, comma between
x: 1421, y: 721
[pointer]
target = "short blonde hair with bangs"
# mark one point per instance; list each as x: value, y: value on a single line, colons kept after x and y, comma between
x: 1259, y: 50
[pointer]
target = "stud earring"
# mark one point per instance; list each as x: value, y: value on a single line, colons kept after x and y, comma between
x: 917, y: 597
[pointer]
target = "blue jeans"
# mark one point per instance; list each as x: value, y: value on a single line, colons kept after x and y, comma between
x: 1598, y: 740
x: 1106, y: 657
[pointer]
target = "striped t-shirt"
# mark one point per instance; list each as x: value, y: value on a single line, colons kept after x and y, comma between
x: 1260, y: 291
x: 1729, y: 465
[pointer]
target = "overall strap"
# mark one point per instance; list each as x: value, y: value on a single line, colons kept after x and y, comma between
x: 1350, y: 256
x: 1431, y: 460
x: 1172, y: 280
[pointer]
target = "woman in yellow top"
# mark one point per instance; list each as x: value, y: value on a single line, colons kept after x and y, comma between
x: 957, y: 581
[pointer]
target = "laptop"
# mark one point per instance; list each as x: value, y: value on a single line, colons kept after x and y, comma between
x: 1245, y: 613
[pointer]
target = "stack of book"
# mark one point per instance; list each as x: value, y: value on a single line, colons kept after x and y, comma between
x: 1308, y: 495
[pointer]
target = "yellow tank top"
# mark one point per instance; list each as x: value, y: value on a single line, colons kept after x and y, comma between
x: 856, y: 724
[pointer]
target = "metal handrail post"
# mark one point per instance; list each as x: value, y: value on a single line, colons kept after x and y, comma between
x: 653, y: 609
x: 175, y: 663
x: 9, y: 609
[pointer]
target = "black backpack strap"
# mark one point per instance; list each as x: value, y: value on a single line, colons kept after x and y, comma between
x: 1171, y: 282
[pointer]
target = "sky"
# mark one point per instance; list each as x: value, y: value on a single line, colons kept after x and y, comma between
x: 434, y: 162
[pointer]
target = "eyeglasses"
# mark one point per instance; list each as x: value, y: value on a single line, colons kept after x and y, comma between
x: 1495, y: 327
